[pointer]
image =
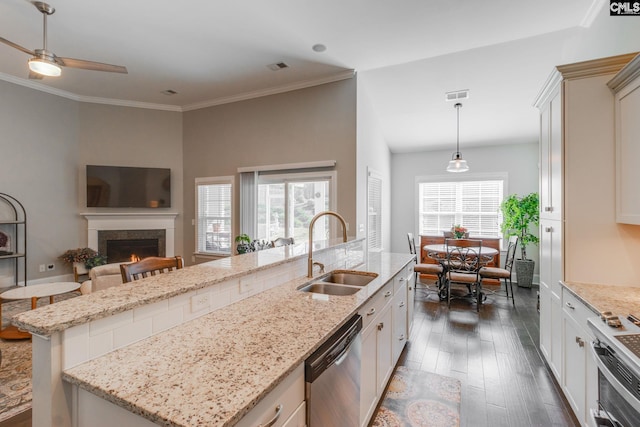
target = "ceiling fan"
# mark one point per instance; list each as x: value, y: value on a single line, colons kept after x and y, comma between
x: 46, y: 63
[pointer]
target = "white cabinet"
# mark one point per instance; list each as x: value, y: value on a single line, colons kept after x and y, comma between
x: 385, y: 332
x: 626, y: 86
x: 551, y: 154
x: 411, y: 296
x: 579, y: 380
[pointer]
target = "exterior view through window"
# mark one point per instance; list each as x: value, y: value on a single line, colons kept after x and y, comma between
x: 287, y: 204
x: 213, y: 224
x: 474, y: 205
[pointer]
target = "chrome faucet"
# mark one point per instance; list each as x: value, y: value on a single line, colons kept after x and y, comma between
x: 311, y: 263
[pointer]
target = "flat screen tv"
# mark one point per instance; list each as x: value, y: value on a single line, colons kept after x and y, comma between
x: 128, y: 187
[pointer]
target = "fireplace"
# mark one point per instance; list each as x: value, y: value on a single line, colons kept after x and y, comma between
x: 102, y: 227
x: 130, y: 245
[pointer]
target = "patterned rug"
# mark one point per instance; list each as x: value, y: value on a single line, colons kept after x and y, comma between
x: 15, y: 368
x: 419, y: 399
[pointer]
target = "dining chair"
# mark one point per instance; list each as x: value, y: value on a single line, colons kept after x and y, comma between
x: 503, y: 274
x: 424, y: 268
x: 282, y: 241
x: 462, y: 268
x: 150, y: 266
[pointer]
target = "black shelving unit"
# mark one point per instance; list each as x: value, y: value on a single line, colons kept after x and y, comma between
x: 15, y: 226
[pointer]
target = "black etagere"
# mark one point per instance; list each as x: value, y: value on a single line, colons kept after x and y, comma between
x: 13, y: 225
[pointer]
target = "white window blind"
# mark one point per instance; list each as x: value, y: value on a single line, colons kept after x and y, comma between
x: 214, y: 213
x: 374, y: 212
x: 473, y: 204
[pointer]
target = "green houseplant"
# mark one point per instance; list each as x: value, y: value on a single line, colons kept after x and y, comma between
x: 520, y: 214
x: 243, y: 244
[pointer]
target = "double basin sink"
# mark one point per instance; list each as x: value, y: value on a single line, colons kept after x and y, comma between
x: 340, y: 282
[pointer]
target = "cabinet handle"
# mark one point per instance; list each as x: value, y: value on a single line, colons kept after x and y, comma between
x: 380, y: 326
x: 580, y: 342
x: 410, y: 288
x: 401, y: 304
x: 568, y: 304
x: 548, y: 229
x: 372, y: 311
x: 387, y: 294
x: 273, y: 420
x: 548, y: 208
x: 401, y: 337
x: 402, y: 279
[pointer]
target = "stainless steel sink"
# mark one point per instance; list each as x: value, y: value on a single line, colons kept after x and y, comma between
x: 351, y: 278
x: 329, y: 289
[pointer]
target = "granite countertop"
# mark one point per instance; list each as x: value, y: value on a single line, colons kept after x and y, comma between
x: 77, y: 311
x: 617, y: 299
x: 212, y: 370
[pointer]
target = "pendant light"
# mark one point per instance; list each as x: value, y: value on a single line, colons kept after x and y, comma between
x: 457, y: 163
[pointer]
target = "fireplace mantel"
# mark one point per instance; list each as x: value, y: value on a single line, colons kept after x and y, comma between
x: 131, y: 221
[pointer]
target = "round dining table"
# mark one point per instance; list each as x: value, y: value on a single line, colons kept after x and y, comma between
x: 439, y: 251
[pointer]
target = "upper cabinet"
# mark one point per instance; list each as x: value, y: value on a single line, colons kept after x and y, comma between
x: 626, y: 88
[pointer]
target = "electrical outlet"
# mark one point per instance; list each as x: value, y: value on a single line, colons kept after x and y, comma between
x: 200, y: 302
x: 43, y: 268
x: 51, y: 267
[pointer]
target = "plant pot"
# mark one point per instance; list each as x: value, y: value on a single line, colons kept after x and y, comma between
x: 524, y: 272
x: 80, y: 268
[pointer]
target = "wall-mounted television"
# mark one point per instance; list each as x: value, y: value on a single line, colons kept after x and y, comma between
x: 128, y: 187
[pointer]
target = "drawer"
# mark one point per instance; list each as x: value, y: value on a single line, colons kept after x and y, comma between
x: 374, y: 306
x: 576, y: 309
x: 402, y: 278
x: 289, y: 393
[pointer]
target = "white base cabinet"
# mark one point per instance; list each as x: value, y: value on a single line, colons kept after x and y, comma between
x: 386, y: 323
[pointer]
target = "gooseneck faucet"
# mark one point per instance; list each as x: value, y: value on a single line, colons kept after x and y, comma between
x: 310, y: 263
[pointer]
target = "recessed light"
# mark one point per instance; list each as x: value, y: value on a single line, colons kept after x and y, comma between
x: 319, y: 47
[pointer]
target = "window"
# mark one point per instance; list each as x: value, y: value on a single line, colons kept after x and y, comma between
x: 213, y: 213
x: 287, y: 202
x: 473, y: 203
x: 374, y: 211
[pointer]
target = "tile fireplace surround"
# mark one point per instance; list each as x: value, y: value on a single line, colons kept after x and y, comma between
x: 132, y: 221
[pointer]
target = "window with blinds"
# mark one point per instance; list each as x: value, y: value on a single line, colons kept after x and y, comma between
x: 213, y: 215
x: 374, y: 212
x: 473, y: 204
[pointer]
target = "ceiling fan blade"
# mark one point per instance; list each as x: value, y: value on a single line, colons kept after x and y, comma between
x: 17, y: 46
x: 37, y: 76
x: 90, y: 65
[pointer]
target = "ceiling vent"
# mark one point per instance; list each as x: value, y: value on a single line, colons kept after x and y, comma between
x: 277, y: 66
x: 169, y: 92
x: 457, y: 95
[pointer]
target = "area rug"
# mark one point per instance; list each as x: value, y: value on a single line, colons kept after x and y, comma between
x: 15, y: 368
x: 419, y: 399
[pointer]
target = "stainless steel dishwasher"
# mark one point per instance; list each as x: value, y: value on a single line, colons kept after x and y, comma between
x: 332, y: 376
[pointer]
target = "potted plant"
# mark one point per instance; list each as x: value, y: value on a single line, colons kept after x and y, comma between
x: 83, y: 259
x: 243, y: 244
x: 519, y: 215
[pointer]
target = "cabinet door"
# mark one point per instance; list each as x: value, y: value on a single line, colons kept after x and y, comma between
x: 411, y: 296
x: 551, y: 158
x: 545, y: 321
x: 384, y: 327
x: 368, y: 383
x: 574, y: 372
x: 399, y: 314
x: 551, y: 255
x: 627, y: 110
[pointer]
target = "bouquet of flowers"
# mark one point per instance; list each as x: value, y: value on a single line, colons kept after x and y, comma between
x: 458, y: 231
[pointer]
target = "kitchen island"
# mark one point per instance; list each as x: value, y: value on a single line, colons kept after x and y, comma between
x: 212, y: 369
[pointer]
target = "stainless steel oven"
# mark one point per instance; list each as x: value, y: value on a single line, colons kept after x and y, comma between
x: 616, y: 352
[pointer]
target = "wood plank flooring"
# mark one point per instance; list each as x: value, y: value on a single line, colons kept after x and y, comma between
x: 494, y: 353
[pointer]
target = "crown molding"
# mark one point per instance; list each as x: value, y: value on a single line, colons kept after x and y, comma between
x: 343, y: 75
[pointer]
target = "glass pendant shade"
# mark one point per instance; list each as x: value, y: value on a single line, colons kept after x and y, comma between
x: 457, y: 163
x: 44, y: 67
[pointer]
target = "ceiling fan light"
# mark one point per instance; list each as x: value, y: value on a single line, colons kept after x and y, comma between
x: 44, y: 67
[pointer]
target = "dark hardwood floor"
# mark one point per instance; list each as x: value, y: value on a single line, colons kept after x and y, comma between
x: 494, y: 353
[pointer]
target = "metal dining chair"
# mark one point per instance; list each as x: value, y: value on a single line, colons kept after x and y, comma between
x: 424, y: 268
x: 462, y: 268
x: 503, y: 274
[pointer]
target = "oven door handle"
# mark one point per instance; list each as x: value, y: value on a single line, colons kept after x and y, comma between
x: 616, y: 384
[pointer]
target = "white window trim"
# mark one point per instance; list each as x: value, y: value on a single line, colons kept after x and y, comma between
x: 229, y: 179
x: 487, y: 176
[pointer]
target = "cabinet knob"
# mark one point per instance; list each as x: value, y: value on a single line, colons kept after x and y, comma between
x: 548, y: 208
x: 401, y: 304
x: 387, y: 294
x: 401, y: 337
x: 548, y: 229
x: 580, y: 342
x: 380, y: 326
x: 569, y: 305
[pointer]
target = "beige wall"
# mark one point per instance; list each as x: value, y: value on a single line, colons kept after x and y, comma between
x: 316, y: 123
